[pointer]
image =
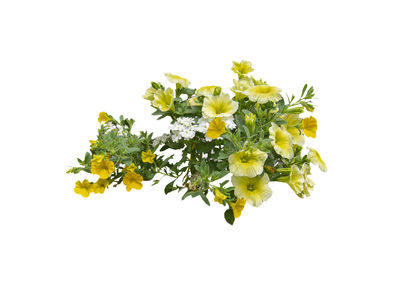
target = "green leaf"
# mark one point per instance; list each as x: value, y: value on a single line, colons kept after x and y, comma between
x: 204, y: 198
x: 169, y: 188
x: 304, y: 90
x: 229, y: 217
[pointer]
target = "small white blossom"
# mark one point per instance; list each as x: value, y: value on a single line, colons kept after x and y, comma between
x: 230, y: 123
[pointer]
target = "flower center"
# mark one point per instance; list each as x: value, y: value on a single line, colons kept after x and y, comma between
x: 250, y: 187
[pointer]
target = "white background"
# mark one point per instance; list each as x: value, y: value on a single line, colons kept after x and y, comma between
x: 62, y: 62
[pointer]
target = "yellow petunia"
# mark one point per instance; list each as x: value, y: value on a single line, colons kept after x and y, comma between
x: 207, y: 90
x: 297, y: 135
x: 177, y: 79
x: 248, y: 163
x: 194, y: 101
x: 308, y: 183
x: 149, y: 95
x: 103, y: 117
x: 133, y: 180
x: 240, y: 86
x: 93, y: 143
x: 296, y: 180
x: 281, y: 140
x: 216, y: 128
x: 242, y: 67
x: 316, y: 159
x: 100, y: 186
x: 219, y: 106
x: 219, y: 197
x: 164, y: 100
x: 255, y: 190
x: 309, y: 126
x: 263, y: 93
x: 83, y: 188
x: 250, y: 120
x: 238, y: 207
x: 148, y: 156
x: 102, y: 167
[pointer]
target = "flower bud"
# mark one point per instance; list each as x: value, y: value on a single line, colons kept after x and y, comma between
x: 250, y: 120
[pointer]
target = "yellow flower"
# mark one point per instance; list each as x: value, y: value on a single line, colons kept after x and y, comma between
x: 93, y: 143
x: 238, y: 207
x: 103, y: 117
x: 296, y: 180
x: 216, y: 128
x: 100, y: 186
x: 148, y: 156
x: 83, y: 188
x: 309, y: 126
x: 177, y: 79
x: 248, y: 163
x: 316, y: 159
x: 263, y: 93
x: 281, y: 141
x: 242, y: 67
x: 194, y: 101
x: 149, y: 95
x: 207, y: 90
x: 133, y: 180
x: 130, y: 168
x: 297, y: 136
x: 250, y: 120
x: 164, y: 100
x: 255, y: 190
x: 240, y: 86
x: 308, y: 183
x: 219, y: 197
x: 293, y: 120
x: 219, y: 106
x: 98, y: 157
x: 103, y: 167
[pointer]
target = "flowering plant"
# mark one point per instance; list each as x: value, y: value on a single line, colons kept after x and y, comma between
x: 256, y: 136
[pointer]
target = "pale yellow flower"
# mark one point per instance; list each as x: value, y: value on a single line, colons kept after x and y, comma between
x: 263, y: 93
x: 194, y: 101
x: 216, y: 128
x: 219, y: 106
x: 308, y: 183
x: 248, y: 163
x: 250, y: 120
x: 242, y: 67
x: 281, y: 140
x: 309, y: 126
x: 297, y: 135
x: 177, y: 79
x: 149, y: 95
x: 238, y: 207
x: 255, y: 190
x: 219, y: 197
x: 240, y: 86
x: 296, y: 180
x: 207, y: 90
x: 316, y: 159
x: 164, y: 100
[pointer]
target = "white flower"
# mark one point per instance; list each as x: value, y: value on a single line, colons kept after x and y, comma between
x: 187, y: 134
x: 202, y: 125
x: 230, y: 123
x: 175, y: 137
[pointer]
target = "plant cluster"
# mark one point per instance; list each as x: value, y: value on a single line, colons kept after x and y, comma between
x: 228, y: 144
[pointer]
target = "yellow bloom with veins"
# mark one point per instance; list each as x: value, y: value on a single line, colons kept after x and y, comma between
x: 255, y: 190
x: 83, y: 188
x: 103, y: 117
x: 148, y: 156
x: 316, y: 159
x: 177, y: 79
x: 309, y: 126
x: 102, y: 167
x: 248, y: 163
x: 281, y: 140
x: 194, y: 101
x: 149, y: 95
x: 242, y: 67
x: 133, y: 180
x: 93, y: 143
x: 216, y: 128
x: 240, y: 86
x: 308, y: 183
x: 263, y: 93
x: 293, y: 121
x: 238, y: 207
x: 219, y: 197
x: 164, y: 100
x: 219, y: 106
x: 207, y: 90
x: 296, y: 180
x: 100, y: 186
